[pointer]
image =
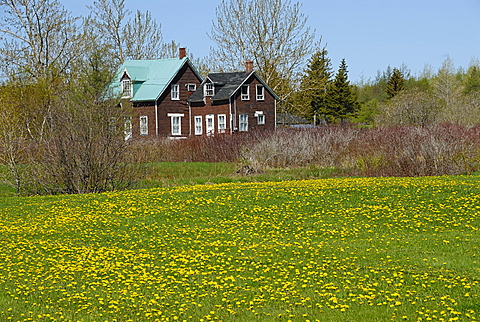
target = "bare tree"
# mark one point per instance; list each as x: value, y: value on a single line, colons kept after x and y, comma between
x: 86, y: 150
x: 137, y: 37
x: 37, y: 38
x: 272, y: 33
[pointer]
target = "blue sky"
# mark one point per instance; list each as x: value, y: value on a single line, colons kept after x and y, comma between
x: 369, y: 34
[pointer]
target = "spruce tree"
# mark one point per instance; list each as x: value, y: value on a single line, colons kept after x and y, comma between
x: 314, y: 84
x: 342, y: 98
x: 395, y: 84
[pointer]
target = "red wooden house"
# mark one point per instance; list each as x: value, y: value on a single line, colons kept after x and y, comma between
x: 232, y: 102
x: 169, y: 99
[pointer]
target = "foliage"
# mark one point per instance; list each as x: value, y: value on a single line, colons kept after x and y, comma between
x: 396, y: 83
x: 341, y: 102
x: 358, y: 249
x: 314, y: 83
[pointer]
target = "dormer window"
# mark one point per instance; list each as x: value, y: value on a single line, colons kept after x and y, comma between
x: 209, y: 89
x: 127, y: 88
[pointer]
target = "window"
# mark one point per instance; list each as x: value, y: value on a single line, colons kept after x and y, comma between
x: 243, y: 122
x: 245, y: 93
x: 128, y: 128
x: 260, y: 92
x: 198, y: 125
x: 191, y: 87
x: 210, y: 126
x: 127, y: 88
x: 209, y: 89
x: 175, y: 92
x: 222, y: 123
x: 143, y: 125
x: 176, y: 123
x: 260, y: 117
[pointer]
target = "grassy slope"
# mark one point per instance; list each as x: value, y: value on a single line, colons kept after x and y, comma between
x: 362, y: 249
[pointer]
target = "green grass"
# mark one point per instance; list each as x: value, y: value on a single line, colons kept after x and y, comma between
x: 170, y: 174
x: 351, y: 249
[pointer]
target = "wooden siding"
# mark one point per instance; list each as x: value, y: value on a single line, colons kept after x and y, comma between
x: 238, y: 106
x: 166, y: 106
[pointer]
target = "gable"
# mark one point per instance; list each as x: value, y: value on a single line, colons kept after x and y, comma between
x: 150, y: 78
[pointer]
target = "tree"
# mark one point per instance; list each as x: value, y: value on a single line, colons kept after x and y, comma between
x: 472, y: 80
x: 139, y: 37
x: 314, y: 83
x: 272, y: 33
x: 396, y: 83
x: 409, y: 107
x: 342, y: 99
x: 446, y: 85
x: 86, y: 151
x: 39, y: 38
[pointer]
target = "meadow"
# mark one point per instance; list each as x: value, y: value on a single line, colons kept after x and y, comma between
x: 342, y: 249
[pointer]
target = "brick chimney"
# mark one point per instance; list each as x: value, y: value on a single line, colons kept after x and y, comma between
x: 248, y: 66
x: 182, y: 53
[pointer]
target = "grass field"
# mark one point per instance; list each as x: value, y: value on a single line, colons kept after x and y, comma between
x: 358, y: 249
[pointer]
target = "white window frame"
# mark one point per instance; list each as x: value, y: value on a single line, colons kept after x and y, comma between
x: 222, y: 123
x: 260, y: 117
x: 143, y: 125
x: 191, y: 87
x: 209, y: 89
x: 260, y: 92
x: 176, y: 128
x: 175, y: 93
x: 127, y: 88
x: 245, y: 96
x: 243, y: 122
x: 209, y: 128
x: 128, y: 128
x: 198, y: 125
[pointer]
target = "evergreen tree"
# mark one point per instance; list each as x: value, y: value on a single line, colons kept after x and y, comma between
x: 342, y: 97
x: 396, y: 83
x: 472, y: 80
x: 314, y: 83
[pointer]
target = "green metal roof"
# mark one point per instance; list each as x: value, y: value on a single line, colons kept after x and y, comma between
x: 149, y: 77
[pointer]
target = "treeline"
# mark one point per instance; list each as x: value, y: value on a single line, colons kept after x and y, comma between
x: 394, y: 97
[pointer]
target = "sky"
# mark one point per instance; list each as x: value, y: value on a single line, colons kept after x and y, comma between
x: 370, y: 34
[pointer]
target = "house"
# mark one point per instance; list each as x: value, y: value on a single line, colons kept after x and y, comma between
x: 158, y: 91
x: 169, y: 98
x: 232, y: 102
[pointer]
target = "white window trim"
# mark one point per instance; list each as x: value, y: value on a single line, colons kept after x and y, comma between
x: 260, y: 117
x: 125, y: 93
x: 172, y: 125
x: 261, y: 93
x: 144, y: 129
x: 208, y: 89
x: 175, y: 93
x: 224, y: 123
x: 128, y: 128
x: 198, y: 121
x: 191, y: 87
x: 245, y: 97
x: 240, y: 123
x: 210, y: 130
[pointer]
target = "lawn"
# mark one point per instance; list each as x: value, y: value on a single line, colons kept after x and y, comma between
x: 349, y: 249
